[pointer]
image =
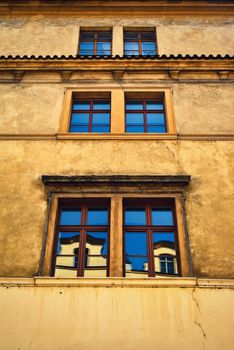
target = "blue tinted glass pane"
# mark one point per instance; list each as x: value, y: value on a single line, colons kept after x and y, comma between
x: 135, y: 216
x: 147, y: 35
x: 97, y: 243
x: 135, y: 118
x: 80, y: 118
x: 162, y: 217
x: 79, y: 128
x: 87, y: 35
x: 103, y: 48
x: 167, y: 265
x: 155, y: 118
x: 101, y: 118
x: 135, y: 128
x: 130, y: 35
x: 86, y: 48
x: 97, y: 216
x: 100, y: 128
x: 131, y: 48
x: 148, y: 46
x: 67, y: 242
x: 167, y: 237
x: 104, y: 35
x: 156, y: 129
x: 70, y: 216
x: 101, y: 105
x: 151, y: 105
x: 135, y: 243
x: 81, y: 105
x: 134, y: 105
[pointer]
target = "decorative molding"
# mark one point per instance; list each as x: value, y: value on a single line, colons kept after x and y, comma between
x: 118, y: 282
x: 18, y: 75
x: 117, y: 74
x: 224, y: 74
x: 116, y: 179
x: 66, y: 75
x: 174, y: 74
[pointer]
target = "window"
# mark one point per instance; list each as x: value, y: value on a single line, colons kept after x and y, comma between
x: 139, y: 43
x: 149, y: 234
x: 82, y: 239
x: 95, y: 43
x: 145, y: 115
x: 117, y: 114
x: 90, y: 115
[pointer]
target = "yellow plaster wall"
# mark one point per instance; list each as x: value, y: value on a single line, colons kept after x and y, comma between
x: 60, y: 318
x: 36, y: 108
x: 59, y: 36
x: 209, y: 201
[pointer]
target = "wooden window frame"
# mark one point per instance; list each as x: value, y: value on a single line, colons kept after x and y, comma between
x: 149, y: 229
x: 91, y: 111
x: 145, y: 111
x: 117, y: 98
x: 117, y: 195
x: 82, y: 228
x: 139, y: 39
x: 95, y: 41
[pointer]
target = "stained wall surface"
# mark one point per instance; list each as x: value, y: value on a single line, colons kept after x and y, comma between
x: 59, y: 36
x: 72, y: 318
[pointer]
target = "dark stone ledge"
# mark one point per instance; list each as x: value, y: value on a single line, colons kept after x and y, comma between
x: 130, y: 180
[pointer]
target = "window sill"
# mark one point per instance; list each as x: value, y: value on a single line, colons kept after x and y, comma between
x: 118, y: 282
x: 115, y: 136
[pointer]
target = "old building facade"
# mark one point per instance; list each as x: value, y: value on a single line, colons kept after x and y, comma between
x: 116, y: 152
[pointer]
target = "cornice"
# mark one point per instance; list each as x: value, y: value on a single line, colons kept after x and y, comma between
x: 66, y: 65
x: 112, y: 8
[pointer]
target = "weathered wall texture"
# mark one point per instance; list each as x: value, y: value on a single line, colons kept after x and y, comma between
x: 209, y: 202
x: 72, y: 318
x: 40, y: 35
x: 36, y: 108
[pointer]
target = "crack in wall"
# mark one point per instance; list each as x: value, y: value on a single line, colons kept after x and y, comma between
x: 197, y: 323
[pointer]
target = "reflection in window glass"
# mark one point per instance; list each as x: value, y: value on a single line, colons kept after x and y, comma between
x: 135, y: 216
x: 167, y: 265
x: 139, y: 43
x: 70, y: 216
x: 66, y: 259
x: 162, y: 217
x: 95, y: 43
x: 136, y: 260
x: 164, y: 246
x: 96, y: 254
x: 97, y: 216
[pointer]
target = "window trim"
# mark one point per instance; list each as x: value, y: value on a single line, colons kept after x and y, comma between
x: 117, y: 121
x: 116, y: 192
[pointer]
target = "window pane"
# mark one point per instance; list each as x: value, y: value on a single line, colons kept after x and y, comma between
x: 79, y: 128
x: 103, y: 48
x: 100, y: 128
x: 162, y: 217
x: 149, y: 47
x: 101, y: 105
x: 131, y: 48
x: 87, y: 35
x: 147, y: 35
x: 134, y: 105
x: 97, y: 216
x: 104, y: 35
x: 81, y: 105
x: 96, y: 254
x: 101, y: 118
x: 164, y: 243
x: 135, y: 129
x: 156, y: 129
x: 130, y: 35
x: 135, y: 118
x: 70, y: 216
x: 86, y: 48
x: 67, y: 242
x: 135, y: 216
x: 136, y: 259
x: 152, y: 105
x: 67, y: 252
x: 155, y: 118
x: 167, y: 265
x: 80, y: 118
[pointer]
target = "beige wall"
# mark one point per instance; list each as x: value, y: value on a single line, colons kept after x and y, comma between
x: 36, y: 108
x: 40, y: 35
x: 52, y: 318
x: 209, y: 202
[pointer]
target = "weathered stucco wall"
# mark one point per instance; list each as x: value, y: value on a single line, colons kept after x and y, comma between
x: 59, y: 36
x: 36, y: 108
x: 209, y: 201
x: 61, y: 318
